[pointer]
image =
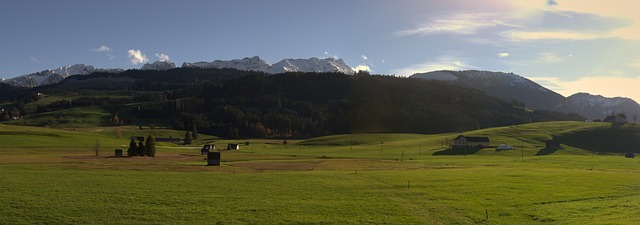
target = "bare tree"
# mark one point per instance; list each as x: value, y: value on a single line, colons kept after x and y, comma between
x: 97, y: 147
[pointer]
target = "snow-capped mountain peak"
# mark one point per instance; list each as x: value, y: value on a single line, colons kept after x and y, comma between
x: 55, y: 75
x: 248, y: 64
x: 311, y: 65
x: 159, y: 65
x: 285, y: 65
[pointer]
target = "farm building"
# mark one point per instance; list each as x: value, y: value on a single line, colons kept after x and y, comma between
x: 233, y: 147
x: 207, y: 148
x: 470, y: 142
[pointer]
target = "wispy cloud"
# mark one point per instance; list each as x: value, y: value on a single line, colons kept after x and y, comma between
x: 550, y: 57
x: 503, y: 54
x: 364, y: 57
x: 361, y: 68
x: 103, y: 48
x: 543, y: 58
x: 136, y: 57
x: 525, y: 36
x: 603, y: 10
x: 635, y: 64
x: 610, y: 86
x: 162, y: 57
x: 33, y: 59
x: 463, y: 23
x: 440, y: 63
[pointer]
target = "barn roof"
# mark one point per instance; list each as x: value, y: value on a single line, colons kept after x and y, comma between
x: 474, y: 139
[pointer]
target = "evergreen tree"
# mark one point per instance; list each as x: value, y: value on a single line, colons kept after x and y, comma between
x: 187, y: 138
x: 150, y: 146
x: 132, y: 147
x: 140, y: 150
x: 194, y: 132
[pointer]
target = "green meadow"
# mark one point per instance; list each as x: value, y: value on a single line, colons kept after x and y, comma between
x: 52, y: 176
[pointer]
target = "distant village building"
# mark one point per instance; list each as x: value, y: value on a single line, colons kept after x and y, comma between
x: 470, y: 142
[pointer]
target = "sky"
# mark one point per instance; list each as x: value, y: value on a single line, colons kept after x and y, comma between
x: 568, y: 46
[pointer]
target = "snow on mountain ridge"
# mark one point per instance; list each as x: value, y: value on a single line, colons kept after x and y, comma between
x: 285, y: 65
x: 597, y: 100
x: 248, y: 64
x: 514, y: 79
x: 51, y: 76
x: 598, y: 106
x: 159, y: 65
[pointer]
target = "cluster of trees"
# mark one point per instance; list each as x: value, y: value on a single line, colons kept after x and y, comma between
x: 143, y: 147
x: 8, y: 92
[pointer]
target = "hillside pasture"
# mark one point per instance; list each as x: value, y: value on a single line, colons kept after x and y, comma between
x: 343, y: 179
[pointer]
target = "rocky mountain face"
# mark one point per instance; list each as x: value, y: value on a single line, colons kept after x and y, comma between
x: 55, y: 75
x: 316, y: 65
x: 159, y: 65
x: 247, y: 64
x: 599, y: 107
x: 311, y: 65
x: 287, y: 65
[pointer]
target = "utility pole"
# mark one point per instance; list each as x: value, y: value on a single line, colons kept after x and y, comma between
x: 351, y: 144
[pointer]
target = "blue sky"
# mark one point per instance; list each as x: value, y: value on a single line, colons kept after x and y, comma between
x: 568, y: 46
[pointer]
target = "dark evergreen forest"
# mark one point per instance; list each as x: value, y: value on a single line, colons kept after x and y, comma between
x: 235, y: 104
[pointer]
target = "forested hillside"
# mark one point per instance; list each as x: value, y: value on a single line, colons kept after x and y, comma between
x: 232, y: 103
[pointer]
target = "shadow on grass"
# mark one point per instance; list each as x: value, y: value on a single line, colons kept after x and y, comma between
x: 458, y: 151
x: 547, y: 151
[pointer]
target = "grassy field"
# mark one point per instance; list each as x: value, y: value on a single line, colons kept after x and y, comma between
x: 53, y: 176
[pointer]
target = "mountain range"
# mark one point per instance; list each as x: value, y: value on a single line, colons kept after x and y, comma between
x: 53, y: 76
x: 314, y: 65
x: 506, y: 86
x: 510, y: 87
